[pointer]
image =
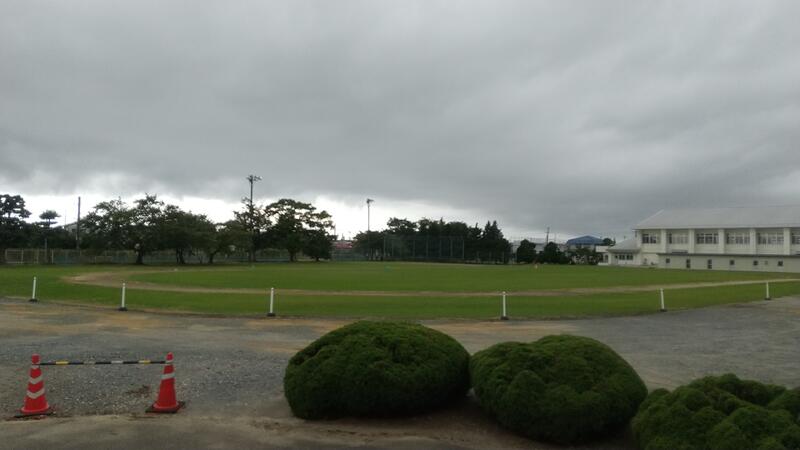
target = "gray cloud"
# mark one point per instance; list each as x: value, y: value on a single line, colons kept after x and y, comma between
x: 586, y: 116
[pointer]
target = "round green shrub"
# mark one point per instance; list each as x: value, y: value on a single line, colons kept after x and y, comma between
x: 720, y: 413
x: 563, y: 389
x: 376, y: 369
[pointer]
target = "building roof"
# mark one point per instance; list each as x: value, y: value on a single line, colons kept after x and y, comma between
x: 585, y: 240
x: 736, y: 217
x: 628, y: 245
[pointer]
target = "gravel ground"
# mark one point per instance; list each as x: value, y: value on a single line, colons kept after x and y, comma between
x: 230, y: 370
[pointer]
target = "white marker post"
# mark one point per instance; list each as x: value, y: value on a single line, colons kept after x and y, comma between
x: 663, y: 308
x: 271, y: 312
x: 122, y: 303
x: 505, y: 315
x: 765, y: 298
x: 33, y: 294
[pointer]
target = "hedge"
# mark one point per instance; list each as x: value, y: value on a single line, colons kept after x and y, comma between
x: 720, y: 413
x: 563, y: 389
x: 376, y: 369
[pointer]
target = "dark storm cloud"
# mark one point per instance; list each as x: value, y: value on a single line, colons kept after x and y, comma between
x: 585, y: 116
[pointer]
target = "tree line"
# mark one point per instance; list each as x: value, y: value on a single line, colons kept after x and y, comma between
x: 149, y: 224
x: 478, y: 244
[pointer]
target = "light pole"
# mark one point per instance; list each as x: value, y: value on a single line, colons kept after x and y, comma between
x: 369, y: 201
x: 252, y: 179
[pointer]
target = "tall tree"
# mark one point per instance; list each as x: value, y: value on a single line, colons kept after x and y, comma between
x: 253, y: 219
x: 147, y: 223
x: 108, y: 226
x: 370, y: 244
x: 13, y: 206
x: 526, y: 252
x: 14, y: 231
x: 230, y: 237
x: 401, y: 227
x: 49, y: 217
x: 294, y: 223
x: 186, y: 232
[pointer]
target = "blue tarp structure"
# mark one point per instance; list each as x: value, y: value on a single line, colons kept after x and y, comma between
x: 585, y: 240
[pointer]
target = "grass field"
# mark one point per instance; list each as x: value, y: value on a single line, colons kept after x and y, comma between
x: 402, y: 278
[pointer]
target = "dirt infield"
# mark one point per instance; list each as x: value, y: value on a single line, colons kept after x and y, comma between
x: 115, y: 279
x: 230, y: 370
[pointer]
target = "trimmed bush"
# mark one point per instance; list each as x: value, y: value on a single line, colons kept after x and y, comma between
x: 376, y: 369
x: 563, y: 389
x: 720, y: 413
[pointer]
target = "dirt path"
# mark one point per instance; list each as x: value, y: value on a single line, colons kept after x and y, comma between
x: 115, y: 279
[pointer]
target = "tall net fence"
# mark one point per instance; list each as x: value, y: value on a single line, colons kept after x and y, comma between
x: 423, y: 248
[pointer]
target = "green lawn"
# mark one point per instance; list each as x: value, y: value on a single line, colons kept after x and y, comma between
x: 377, y: 276
x: 16, y: 281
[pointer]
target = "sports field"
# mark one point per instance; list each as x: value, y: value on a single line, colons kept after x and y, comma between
x: 395, y: 290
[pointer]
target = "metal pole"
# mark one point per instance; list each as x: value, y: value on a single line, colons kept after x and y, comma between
x: 505, y: 315
x: 768, y: 296
x: 271, y: 312
x: 122, y: 302
x: 663, y: 308
x: 78, y: 227
x: 33, y: 294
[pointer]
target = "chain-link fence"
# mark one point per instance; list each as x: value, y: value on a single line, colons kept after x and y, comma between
x: 72, y: 256
x: 423, y: 248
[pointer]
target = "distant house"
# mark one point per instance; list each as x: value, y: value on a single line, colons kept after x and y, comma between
x: 764, y: 238
x: 589, y: 242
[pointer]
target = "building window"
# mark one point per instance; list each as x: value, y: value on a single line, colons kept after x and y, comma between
x: 738, y: 238
x: 755, y: 263
x: 649, y: 238
x: 732, y: 262
x: 770, y: 238
x: 706, y: 238
x: 780, y: 263
x: 710, y: 264
x: 688, y: 263
x: 795, y: 238
x: 677, y: 238
x: 667, y: 261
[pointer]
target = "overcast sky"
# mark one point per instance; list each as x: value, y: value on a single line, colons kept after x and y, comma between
x: 584, y: 116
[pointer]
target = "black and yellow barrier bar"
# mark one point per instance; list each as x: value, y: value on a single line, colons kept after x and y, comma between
x: 100, y: 363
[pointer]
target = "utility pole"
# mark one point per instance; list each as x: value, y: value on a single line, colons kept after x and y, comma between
x: 252, y: 179
x: 369, y: 202
x: 547, y: 238
x: 78, y: 227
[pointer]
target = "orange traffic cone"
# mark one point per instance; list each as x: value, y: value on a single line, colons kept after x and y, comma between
x: 35, y: 401
x: 167, y: 401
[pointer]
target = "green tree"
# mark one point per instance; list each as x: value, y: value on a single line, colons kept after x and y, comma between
x: 48, y: 217
x: 254, y: 220
x: 147, y: 223
x: 318, y: 245
x: 370, y: 244
x: 108, y: 226
x: 526, y: 252
x: 401, y: 227
x: 230, y: 237
x: 113, y: 225
x: 294, y: 223
x: 13, y: 206
x: 14, y: 231
x: 553, y: 255
x: 186, y: 232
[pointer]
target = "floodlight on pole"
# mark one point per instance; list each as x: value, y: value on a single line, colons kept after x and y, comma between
x: 252, y: 179
x: 369, y: 202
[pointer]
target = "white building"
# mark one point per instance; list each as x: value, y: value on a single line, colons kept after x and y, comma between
x: 756, y: 238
